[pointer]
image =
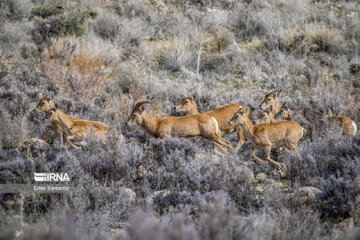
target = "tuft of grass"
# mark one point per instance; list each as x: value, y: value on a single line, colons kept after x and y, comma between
x: 323, y: 36
x: 312, y: 38
x: 255, y: 43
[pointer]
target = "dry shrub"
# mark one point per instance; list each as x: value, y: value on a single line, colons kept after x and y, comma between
x: 255, y: 43
x: 159, y: 48
x: 323, y: 36
x: 79, y: 69
x: 294, y: 37
x: 312, y: 37
x: 215, y: 42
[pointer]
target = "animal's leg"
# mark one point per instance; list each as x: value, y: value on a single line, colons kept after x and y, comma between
x: 47, y: 129
x: 256, y: 158
x: 282, y: 166
x: 69, y: 139
x: 222, y: 141
x: 227, y: 131
x: 72, y: 144
x: 61, y: 139
x: 215, y: 144
x: 294, y: 146
x: 240, y: 134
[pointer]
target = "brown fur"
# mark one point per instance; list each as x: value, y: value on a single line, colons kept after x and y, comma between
x: 188, y: 106
x: 266, y: 116
x: 285, y: 113
x: 271, y: 100
x: 268, y: 135
x: 76, y: 129
x: 349, y: 126
x: 189, y: 126
x: 32, y: 142
x: 45, y: 104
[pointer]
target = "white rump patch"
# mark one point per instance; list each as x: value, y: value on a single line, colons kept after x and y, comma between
x: 354, y: 125
x: 216, y: 125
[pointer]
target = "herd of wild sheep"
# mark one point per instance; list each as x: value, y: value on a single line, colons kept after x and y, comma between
x: 274, y: 126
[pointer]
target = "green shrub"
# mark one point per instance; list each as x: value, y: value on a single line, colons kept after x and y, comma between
x: 75, y: 22
x: 45, y: 11
x: 69, y: 23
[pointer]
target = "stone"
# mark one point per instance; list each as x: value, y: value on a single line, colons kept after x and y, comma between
x: 128, y: 194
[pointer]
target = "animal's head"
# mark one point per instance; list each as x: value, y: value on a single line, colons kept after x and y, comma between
x: 265, y: 116
x: 137, y: 112
x: 51, y: 115
x: 45, y: 104
x: 186, y: 105
x: 239, y: 117
x: 285, y: 112
x: 270, y: 99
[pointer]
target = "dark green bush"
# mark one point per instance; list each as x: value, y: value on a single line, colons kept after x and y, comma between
x: 45, y: 11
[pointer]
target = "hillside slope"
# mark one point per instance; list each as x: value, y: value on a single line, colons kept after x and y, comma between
x: 97, y: 58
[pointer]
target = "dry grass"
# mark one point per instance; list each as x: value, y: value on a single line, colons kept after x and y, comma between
x: 85, y: 70
x: 254, y: 43
x: 300, y: 39
x: 214, y: 42
x: 321, y: 35
x: 157, y: 49
x: 294, y: 37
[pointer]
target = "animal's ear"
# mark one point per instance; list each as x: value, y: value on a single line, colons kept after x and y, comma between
x: 251, y: 108
x: 47, y: 97
x: 50, y: 98
x: 56, y: 107
x: 142, y: 108
x: 284, y: 104
x: 277, y: 92
x: 240, y: 109
x: 245, y: 110
x: 330, y: 113
x: 268, y: 111
x: 270, y: 108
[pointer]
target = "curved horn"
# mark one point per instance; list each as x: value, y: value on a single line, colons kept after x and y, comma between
x: 273, y: 91
x: 139, y: 103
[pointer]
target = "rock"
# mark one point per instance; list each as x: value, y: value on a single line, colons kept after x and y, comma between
x: 143, y: 172
x: 308, y: 192
x: 249, y: 164
x: 278, y: 174
x: 344, y: 227
x: 261, y: 177
x: 149, y: 200
x: 251, y: 175
x: 348, y: 223
x: 259, y: 188
x: 128, y: 194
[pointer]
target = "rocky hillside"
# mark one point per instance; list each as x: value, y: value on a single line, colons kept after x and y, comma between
x: 98, y: 57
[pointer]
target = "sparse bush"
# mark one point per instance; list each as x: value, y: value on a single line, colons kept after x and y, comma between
x: 69, y: 23
x: 81, y: 69
x: 107, y: 27
x: 15, y: 10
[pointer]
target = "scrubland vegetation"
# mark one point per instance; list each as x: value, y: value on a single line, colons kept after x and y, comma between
x: 98, y: 57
